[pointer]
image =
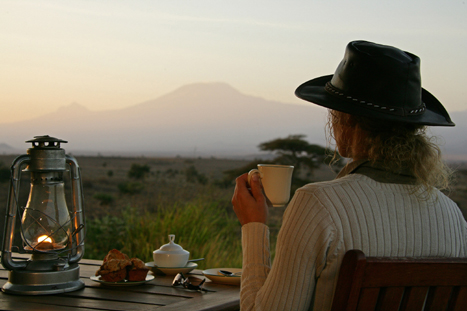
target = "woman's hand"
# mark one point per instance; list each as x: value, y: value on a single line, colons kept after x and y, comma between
x: 250, y: 205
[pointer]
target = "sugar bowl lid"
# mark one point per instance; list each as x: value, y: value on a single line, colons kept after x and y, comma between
x: 171, y: 247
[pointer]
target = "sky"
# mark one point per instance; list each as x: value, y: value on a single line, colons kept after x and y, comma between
x: 112, y: 54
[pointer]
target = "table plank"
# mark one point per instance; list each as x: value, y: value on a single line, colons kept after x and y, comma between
x: 123, y: 294
x: 228, y: 300
x: 57, y: 302
x: 11, y: 304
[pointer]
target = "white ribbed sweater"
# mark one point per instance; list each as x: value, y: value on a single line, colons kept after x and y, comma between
x: 324, y: 220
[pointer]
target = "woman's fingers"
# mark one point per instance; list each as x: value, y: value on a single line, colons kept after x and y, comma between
x: 250, y: 205
x: 256, y: 187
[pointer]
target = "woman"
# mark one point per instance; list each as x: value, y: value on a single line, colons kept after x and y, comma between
x: 384, y: 202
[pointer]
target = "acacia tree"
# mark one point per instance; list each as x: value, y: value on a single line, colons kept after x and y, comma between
x: 292, y: 150
x: 296, y: 151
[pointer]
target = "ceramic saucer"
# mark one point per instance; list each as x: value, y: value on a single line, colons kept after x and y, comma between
x: 216, y: 277
x: 171, y: 271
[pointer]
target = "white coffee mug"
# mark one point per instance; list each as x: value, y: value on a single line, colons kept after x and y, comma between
x: 276, y: 180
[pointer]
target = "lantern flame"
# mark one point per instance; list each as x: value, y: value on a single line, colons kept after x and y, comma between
x: 44, y: 238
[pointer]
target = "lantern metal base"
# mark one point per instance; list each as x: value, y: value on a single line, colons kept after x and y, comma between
x: 22, y: 282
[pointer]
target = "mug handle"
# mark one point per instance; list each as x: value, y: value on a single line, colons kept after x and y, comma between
x: 252, y: 172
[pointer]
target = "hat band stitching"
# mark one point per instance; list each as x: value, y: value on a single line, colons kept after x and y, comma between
x: 387, y: 109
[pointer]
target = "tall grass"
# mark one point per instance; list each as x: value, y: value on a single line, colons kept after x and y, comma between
x: 206, y: 229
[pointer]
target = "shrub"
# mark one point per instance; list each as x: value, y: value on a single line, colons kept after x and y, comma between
x: 138, y: 171
x: 131, y: 188
x: 104, y: 198
x: 202, y: 179
x: 171, y: 173
x: 192, y: 175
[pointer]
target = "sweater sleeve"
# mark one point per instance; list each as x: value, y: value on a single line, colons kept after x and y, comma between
x: 302, y: 245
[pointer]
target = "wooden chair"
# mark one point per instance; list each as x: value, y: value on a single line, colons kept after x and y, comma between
x: 412, y: 284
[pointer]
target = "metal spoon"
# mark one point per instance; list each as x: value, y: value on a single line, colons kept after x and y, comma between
x: 228, y: 273
x: 192, y: 260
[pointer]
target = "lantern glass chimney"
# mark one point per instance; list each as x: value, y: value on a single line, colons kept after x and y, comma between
x: 46, y: 221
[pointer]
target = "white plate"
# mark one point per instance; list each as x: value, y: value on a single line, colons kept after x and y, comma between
x: 171, y: 271
x: 216, y: 277
x: 122, y: 283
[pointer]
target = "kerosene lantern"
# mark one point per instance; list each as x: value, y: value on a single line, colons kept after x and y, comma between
x: 51, y: 232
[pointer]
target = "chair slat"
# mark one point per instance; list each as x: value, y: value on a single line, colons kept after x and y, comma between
x: 438, y: 298
x: 460, y: 302
x: 368, y: 299
x: 414, y: 298
x: 391, y: 298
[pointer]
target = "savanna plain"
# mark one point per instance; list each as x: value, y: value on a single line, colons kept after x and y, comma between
x: 133, y: 204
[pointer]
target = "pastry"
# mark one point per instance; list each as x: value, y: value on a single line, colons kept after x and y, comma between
x: 137, y: 271
x: 117, y: 267
x: 114, y: 270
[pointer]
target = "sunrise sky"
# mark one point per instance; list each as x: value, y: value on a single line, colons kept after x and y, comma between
x: 110, y: 54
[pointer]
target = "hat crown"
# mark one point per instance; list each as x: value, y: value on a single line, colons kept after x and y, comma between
x: 380, y: 74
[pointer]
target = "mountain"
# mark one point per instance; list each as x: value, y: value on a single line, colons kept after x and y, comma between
x: 453, y: 140
x: 201, y: 119
x: 5, y: 148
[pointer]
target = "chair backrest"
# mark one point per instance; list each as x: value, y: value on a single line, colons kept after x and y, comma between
x: 412, y: 284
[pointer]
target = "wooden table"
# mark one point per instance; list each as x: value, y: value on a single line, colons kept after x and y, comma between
x: 156, y: 294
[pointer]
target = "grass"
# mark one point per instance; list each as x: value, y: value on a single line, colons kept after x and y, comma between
x: 206, y: 229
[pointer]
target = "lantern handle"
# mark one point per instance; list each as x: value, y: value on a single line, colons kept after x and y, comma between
x: 11, y: 212
x: 77, y: 196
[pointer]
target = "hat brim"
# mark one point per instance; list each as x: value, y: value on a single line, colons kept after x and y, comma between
x: 314, y: 92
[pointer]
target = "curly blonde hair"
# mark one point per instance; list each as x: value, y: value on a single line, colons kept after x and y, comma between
x: 398, y: 147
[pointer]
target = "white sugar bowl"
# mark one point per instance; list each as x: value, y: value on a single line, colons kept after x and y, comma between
x: 171, y: 255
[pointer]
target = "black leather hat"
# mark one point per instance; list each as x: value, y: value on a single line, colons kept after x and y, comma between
x: 377, y: 81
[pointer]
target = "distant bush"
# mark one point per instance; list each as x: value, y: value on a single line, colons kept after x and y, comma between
x: 104, y: 198
x: 130, y: 187
x: 171, y: 173
x: 192, y: 175
x: 224, y: 183
x: 138, y: 171
x: 202, y: 179
x: 110, y: 173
